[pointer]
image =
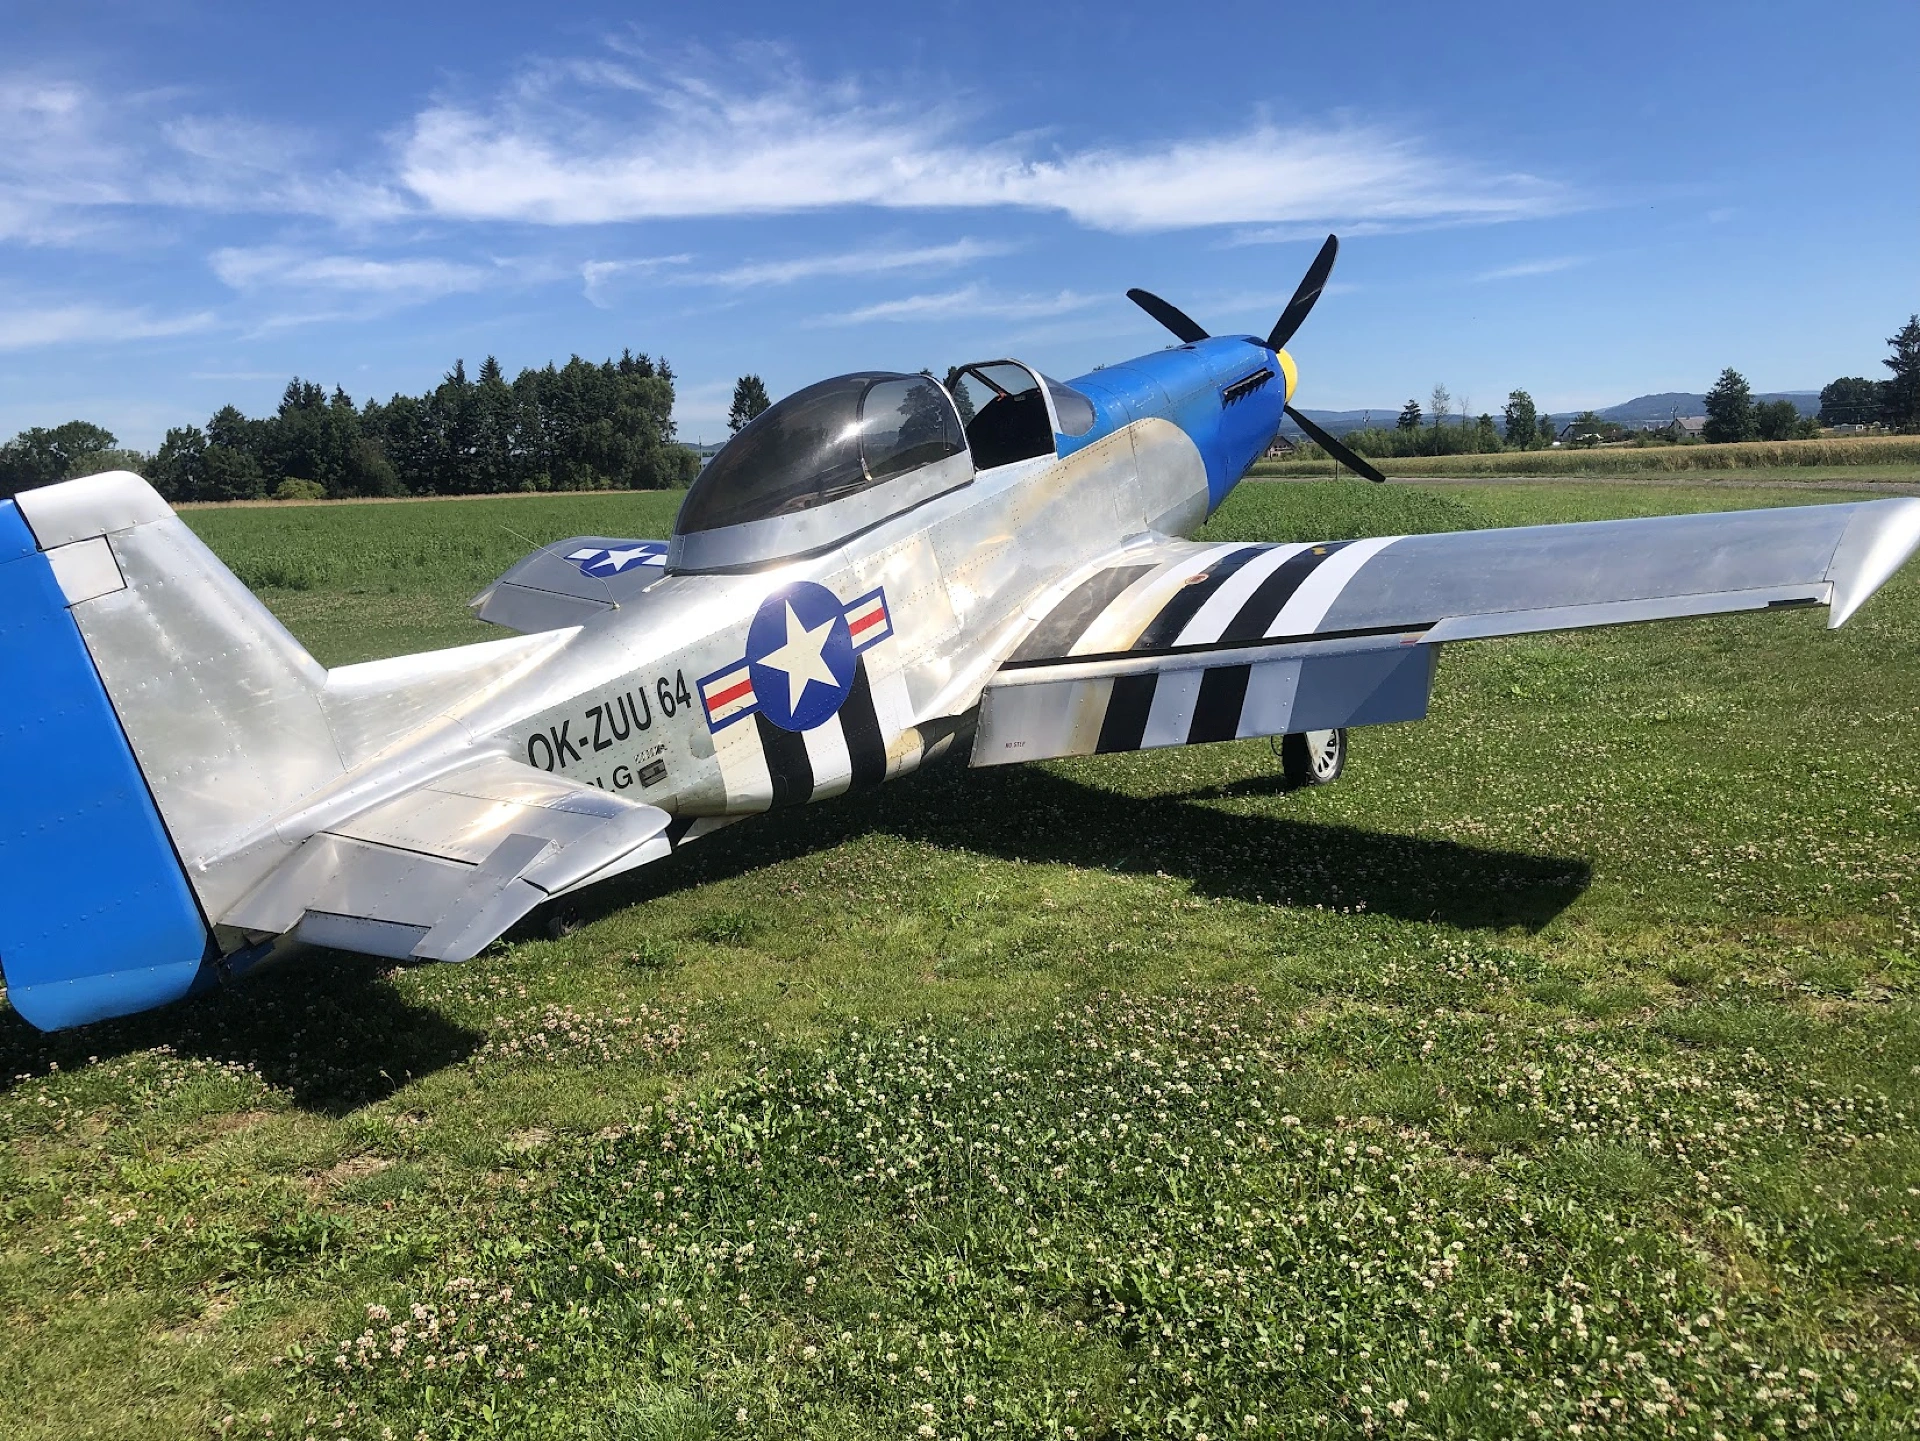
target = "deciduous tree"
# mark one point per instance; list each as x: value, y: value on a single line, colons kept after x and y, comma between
x: 1522, y: 421
x: 42, y: 455
x: 1850, y: 400
x: 1776, y: 420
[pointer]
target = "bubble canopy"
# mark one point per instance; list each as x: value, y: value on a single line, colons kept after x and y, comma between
x: 825, y: 463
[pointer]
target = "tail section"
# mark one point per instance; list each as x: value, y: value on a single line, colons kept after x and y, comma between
x: 96, y: 916
x: 173, y: 745
x: 222, y: 708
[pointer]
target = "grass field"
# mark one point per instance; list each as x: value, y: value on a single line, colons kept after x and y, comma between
x: 1554, y: 1073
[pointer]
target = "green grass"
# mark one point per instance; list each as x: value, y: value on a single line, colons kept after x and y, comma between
x: 1557, y: 1067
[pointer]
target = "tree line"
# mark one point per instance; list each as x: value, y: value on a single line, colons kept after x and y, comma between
x: 578, y: 426
x: 1893, y: 402
x: 1732, y: 414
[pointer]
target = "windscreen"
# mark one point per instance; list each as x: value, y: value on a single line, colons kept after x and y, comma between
x: 820, y: 445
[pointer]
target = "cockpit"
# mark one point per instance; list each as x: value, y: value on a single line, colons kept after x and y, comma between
x: 840, y: 457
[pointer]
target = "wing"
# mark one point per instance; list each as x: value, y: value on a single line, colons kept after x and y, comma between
x: 1173, y: 642
x: 439, y: 871
x: 570, y: 581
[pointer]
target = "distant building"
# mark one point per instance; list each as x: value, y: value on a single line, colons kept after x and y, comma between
x: 1680, y: 427
x: 1282, y: 447
x: 1591, y: 432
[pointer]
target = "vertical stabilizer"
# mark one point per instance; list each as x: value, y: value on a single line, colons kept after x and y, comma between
x: 222, y: 707
x: 96, y: 917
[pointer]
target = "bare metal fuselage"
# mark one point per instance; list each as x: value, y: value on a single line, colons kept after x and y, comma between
x: 961, y: 575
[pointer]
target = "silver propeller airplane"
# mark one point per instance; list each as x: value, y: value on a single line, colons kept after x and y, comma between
x: 877, y: 570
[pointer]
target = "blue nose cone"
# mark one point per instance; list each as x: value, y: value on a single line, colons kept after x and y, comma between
x: 1227, y: 393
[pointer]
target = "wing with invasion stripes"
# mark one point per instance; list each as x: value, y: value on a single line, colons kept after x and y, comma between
x: 1174, y: 642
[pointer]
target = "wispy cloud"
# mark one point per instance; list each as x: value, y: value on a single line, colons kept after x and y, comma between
x: 281, y: 268
x: 599, y: 276
x: 1548, y: 266
x: 968, y: 301
x: 611, y: 141
x: 856, y: 262
x: 625, y: 138
x: 28, y: 329
x: 74, y: 161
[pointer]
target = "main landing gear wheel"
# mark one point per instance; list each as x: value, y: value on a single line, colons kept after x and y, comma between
x: 1313, y: 758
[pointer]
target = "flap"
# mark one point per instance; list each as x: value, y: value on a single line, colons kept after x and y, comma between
x: 437, y: 873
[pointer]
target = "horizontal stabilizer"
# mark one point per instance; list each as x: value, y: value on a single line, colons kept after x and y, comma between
x: 440, y: 871
x: 570, y: 582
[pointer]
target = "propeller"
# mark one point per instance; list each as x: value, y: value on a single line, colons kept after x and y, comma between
x: 1311, y: 285
x: 1171, y: 316
x: 1335, y: 449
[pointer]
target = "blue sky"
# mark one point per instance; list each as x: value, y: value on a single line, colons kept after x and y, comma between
x: 198, y: 201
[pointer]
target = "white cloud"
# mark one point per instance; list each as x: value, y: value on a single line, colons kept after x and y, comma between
x: 74, y: 161
x: 277, y: 267
x: 969, y: 301
x: 624, y: 139
x: 29, y: 329
x: 1524, y: 268
x: 855, y: 262
x: 599, y: 276
x: 609, y: 142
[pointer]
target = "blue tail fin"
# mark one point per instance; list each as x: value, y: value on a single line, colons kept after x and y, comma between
x: 96, y: 918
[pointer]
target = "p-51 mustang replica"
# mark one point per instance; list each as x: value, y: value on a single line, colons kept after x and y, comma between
x: 875, y: 571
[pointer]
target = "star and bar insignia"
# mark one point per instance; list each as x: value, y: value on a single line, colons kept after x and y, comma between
x: 800, y: 658
x: 602, y: 561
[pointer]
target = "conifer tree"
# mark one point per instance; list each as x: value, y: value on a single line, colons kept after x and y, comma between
x: 749, y: 399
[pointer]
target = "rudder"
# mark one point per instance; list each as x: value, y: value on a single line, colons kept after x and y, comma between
x: 96, y: 916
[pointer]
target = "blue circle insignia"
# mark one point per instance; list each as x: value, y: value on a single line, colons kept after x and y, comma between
x: 800, y: 656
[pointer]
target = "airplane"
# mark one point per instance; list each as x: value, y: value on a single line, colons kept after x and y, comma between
x: 876, y: 571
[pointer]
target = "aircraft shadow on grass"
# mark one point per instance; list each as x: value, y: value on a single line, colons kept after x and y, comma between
x: 1034, y: 815
x: 328, y: 1029
x: 325, y: 1027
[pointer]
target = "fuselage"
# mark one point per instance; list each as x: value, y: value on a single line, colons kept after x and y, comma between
x: 647, y: 700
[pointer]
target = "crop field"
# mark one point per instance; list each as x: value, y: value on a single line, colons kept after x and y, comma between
x: 1555, y: 1073
x: 1878, y: 457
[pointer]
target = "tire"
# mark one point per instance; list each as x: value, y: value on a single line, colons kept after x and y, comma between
x: 1313, y: 758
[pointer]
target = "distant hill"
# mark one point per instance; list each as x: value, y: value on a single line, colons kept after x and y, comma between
x: 1659, y: 409
x: 1641, y: 410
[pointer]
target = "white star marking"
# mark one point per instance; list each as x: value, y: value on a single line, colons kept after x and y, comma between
x: 802, y: 657
x: 620, y: 559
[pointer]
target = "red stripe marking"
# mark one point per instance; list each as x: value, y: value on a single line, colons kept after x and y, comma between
x: 871, y: 618
x: 731, y: 693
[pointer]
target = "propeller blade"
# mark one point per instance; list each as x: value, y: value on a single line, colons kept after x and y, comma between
x: 1171, y: 316
x: 1311, y: 284
x: 1334, y: 448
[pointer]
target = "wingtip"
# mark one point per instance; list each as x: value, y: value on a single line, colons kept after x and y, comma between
x: 1877, y: 542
